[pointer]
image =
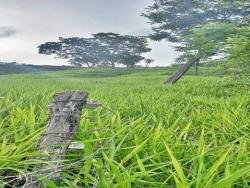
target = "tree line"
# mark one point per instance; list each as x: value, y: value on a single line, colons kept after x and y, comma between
x: 102, y: 49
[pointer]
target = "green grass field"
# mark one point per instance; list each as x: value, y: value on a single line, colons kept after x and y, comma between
x: 192, y: 134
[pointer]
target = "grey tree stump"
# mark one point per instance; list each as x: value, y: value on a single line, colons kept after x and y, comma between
x: 66, y: 110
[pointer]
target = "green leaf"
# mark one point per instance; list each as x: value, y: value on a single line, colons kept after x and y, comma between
x: 228, y: 180
x: 177, y: 167
x: 135, y: 151
x: 211, y: 173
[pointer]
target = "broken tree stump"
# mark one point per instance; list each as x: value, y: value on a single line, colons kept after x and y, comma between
x: 66, y: 111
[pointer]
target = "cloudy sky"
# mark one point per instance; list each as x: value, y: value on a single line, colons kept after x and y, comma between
x: 24, y: 24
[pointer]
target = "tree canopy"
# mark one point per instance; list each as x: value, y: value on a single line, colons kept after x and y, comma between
x: 171, y: 19
x: 238, y: 46
x: 201, y: 29
x: 101, y: 49
x: 206, y: 41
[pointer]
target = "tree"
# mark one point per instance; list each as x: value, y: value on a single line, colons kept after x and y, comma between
x: 238, y: 46
x: 206, y: 42
x: 130, y: 60
x: 78, y: 51
x: 148, y: 61
x: 123, y: 49
x: 101, y: 49
x: 175, y: 19
x: 172, y: 19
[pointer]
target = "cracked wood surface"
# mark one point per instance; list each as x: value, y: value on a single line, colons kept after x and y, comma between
x: 66, y: 111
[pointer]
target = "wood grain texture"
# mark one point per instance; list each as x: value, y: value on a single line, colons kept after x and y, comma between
x: 66, y: 111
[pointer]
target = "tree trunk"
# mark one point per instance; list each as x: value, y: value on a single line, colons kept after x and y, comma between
x: 182, y: 70
x: 113, y: 65
x: 197, y: 67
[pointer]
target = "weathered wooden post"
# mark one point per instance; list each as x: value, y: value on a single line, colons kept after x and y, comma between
x: 66, y: 111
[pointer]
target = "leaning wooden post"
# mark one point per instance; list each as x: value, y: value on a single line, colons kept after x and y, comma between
x: 66, y: 111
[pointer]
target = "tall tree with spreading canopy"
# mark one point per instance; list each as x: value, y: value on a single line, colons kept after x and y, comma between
x: 101, y: 49
x: 174, y: 20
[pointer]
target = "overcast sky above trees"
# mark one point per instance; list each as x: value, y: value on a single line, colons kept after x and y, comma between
x: 26, y: 24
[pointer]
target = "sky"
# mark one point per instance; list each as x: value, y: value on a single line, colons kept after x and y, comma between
x: 24, y: 24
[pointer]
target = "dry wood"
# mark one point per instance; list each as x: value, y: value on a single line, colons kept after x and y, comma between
x: 66, y: 113
x: 92, y: 104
